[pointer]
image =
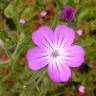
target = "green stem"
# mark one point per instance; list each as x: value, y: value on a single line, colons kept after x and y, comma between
x: 38, y: 81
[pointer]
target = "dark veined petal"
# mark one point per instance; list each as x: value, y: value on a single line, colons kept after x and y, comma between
x: 59, y: 72
x: 37, y: 59
x: 43, y: 37
x: 75, y: 56
x: 63, y: 35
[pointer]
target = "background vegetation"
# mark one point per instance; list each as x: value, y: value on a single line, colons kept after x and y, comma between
x: 16, y: 79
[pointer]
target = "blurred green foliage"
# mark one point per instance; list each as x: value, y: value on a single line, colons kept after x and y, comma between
x: 15, y: 77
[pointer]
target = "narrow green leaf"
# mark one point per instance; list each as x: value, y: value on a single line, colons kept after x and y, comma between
x: 59, y: 4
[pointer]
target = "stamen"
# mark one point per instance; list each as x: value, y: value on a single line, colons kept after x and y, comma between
x: 55, y: 54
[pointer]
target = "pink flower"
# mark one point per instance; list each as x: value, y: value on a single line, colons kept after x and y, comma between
x: 68, y: 13
x: 55, y: 50
x: 22, y: 21
x: 81, y: 89
x: 43, y: 13
x: 80, y: 32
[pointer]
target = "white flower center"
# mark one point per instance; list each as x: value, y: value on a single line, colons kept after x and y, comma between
x: 57, y: 55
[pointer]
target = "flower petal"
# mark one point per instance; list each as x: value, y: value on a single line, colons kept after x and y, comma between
x: 64, y: 35
x: 75, y: 56
x: 43, y: 37
x: 59, y: 72
x: 36, y: 58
